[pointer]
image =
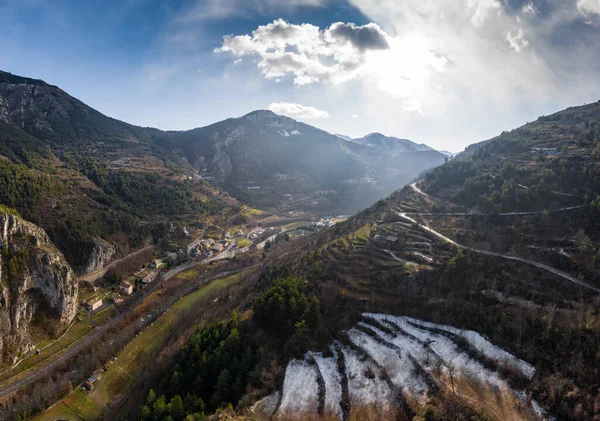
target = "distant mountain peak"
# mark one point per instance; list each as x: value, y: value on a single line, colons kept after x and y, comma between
x: 390, y: 143
x: 377, y: 134
x: 261, y: 113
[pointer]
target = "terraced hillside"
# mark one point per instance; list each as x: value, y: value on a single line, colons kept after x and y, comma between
x: 502, y: 240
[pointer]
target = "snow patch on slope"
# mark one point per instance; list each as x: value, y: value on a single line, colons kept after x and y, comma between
x: 393, y: 361
x: 299, y: 388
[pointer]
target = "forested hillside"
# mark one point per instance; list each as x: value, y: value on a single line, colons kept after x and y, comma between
x: 502, y: 240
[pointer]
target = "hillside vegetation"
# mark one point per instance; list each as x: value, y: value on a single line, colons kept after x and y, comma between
x: 82, y: 176
x: 502, y: 240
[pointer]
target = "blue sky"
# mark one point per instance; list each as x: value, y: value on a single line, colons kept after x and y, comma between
x: 444, y: 72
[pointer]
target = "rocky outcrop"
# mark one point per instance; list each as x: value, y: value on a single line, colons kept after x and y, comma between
x: 36, y: 284
x: 101, y: 254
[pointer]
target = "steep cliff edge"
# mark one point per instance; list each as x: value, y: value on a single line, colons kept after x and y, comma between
x: 101, y: 254
x: 38, y: 289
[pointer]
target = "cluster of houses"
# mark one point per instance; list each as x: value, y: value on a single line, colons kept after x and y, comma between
x: 209, y: 247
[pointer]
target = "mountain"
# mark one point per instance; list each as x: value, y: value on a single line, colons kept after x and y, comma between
x: 124, y: 179
x: 271, y: 161
x: 87, y: 178
x: 391, y: 144
x: 503, y: 240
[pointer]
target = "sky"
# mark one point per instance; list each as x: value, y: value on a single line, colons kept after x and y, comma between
x: 442, y: 72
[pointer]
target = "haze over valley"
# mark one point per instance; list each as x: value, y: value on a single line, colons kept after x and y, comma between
x: 270, y: 224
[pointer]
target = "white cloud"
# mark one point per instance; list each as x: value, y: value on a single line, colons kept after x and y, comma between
x: 517, y: 40
x: 237, y: 61
x: 589, y: 6
x: 337, y: 54
x: 412, y: 107
x: 529, y: 9
x: 480, y: 9
x: 298, y: 111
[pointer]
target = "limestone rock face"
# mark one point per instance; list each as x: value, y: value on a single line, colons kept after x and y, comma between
x: 101, y: 254
x: 36, y: 283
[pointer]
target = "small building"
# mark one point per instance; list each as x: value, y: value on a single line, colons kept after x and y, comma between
x: 156, y: 263
x: 94, y: 303
x: 217, y: 248
x: 391, y: 239
x: 206, y: 243
x: 117, y: 299
x: 89, y: 383
x: 208, y: 253
x: 126, y: 288
x: 226, y: 235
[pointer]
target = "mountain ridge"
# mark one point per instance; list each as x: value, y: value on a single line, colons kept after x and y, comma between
x: 260, y: 158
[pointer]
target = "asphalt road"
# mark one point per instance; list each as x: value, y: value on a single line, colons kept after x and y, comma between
x: 46, y: 368
x: 543, y: 266
x: 74, y: 349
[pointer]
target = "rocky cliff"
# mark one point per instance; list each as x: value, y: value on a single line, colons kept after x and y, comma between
x: 38, y: 289
x: 101, y: 254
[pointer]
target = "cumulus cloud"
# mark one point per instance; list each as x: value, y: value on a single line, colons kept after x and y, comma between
x: 298, y: 111
x: 337, y: 54
x: 436, y: 69
x: 367, y: 37
x: 589, y: 6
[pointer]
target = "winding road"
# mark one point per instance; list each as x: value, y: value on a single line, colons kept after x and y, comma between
x: 543, y: 266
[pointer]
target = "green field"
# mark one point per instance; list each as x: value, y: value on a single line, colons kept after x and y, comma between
x: 122, y: 373
x: 104, y: 315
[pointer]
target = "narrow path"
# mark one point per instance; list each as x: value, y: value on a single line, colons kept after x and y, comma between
x: 406, y: 262
x: 418, y: 190
x: 543, y: 266
x: 560, y: 273
x: 421, y: 192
